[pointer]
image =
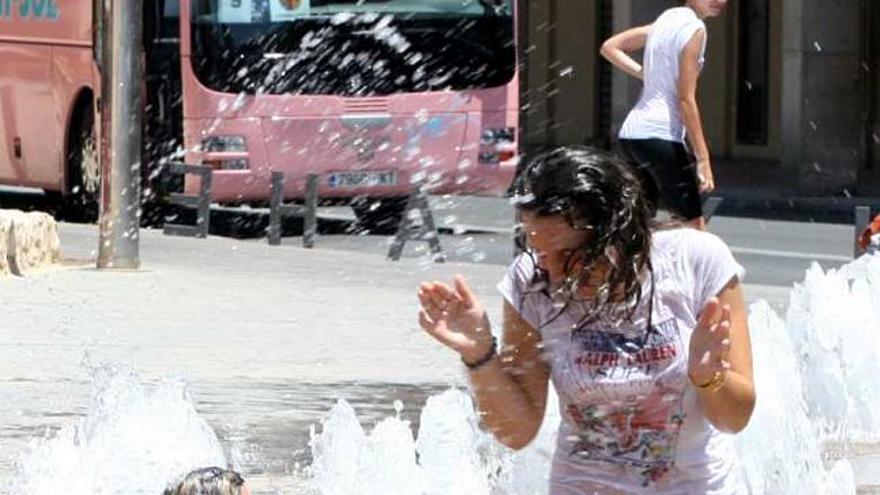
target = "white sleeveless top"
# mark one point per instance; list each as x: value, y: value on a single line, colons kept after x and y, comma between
x: 631, y: 420
x: 656, y: 115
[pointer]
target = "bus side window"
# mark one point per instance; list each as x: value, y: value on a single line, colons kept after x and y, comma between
x: 171, y: 19
x: 172, y: 9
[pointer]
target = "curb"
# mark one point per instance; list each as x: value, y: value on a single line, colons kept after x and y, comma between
x: 826, y: 209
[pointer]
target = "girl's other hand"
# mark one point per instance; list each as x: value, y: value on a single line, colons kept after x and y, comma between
x: 705, y: 176
x: 710, y: 344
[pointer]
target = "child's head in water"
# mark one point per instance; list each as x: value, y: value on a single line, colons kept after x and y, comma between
x: 210, y: 481
x: 587, y: 223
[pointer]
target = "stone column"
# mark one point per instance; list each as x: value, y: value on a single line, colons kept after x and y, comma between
x: 821, y: 108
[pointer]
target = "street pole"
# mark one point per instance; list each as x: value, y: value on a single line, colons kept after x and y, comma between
x: 121, y: 119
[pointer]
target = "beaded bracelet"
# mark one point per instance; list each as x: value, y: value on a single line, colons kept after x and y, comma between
x: 485, y: 359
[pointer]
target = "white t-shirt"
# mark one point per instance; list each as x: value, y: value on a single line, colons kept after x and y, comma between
x: 631, y: 421
x: 656, y: 115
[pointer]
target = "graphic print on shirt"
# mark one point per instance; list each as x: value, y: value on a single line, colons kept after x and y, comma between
x: 629, y: 405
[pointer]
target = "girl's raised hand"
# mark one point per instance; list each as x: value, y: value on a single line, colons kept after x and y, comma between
x: 455, y: 317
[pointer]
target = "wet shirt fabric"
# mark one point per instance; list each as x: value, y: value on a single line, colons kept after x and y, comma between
x: 656, y: 115
x: 631, y: 423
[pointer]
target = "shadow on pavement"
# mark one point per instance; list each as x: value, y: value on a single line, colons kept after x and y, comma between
x: 243, y: 223
x: 27, y: 200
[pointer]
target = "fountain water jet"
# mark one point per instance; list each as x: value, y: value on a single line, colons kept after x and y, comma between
x: 132, y: 441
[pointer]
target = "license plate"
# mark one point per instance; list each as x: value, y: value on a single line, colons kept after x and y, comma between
x: 373, y: 178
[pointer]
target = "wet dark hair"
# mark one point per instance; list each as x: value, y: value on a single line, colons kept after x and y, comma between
x: 597, y: 191
x: 208, y: 481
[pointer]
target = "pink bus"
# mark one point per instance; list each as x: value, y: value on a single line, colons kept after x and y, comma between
x: 47, y: 98
x: 372, y: 95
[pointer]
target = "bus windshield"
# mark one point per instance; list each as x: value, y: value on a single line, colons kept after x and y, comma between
x: 352, y: 47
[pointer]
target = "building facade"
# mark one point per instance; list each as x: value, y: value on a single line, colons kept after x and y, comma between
x: 790, y: 94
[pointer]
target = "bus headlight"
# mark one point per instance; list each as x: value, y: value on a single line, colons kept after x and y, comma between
x: 502, y: 135
x: 498, y: 145
x: 218, y: 149
x: 223, y: 144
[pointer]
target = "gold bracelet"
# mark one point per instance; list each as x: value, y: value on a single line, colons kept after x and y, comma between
x: 715, y: 383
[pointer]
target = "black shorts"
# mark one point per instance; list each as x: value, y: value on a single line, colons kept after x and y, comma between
x: 668, y: 175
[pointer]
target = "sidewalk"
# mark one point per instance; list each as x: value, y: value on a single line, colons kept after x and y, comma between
x: 221, y: 307
x: 317, y: 315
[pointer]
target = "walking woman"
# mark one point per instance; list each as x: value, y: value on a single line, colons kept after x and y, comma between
x: 644, y: 335
x: 653, y: 134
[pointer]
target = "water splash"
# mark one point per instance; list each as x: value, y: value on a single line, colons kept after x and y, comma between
x: 816, y: 382
x: 134, y: 440
x: 781, y: 449
x: 834, y: 320
x: 451, y: 455
x: 346, y: 459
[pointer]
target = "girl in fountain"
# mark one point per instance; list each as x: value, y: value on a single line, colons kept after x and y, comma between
x: 210, y: 481
x: 642, y: 332
x: 653, y: 134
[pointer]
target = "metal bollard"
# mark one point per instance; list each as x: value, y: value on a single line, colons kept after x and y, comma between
x: 710, y: 206
x: 278, y: 210
x: 202, y: 202
x: 310, y: 220
x: 275, y: 202
x: 862, y: 220
x: 408, y: 229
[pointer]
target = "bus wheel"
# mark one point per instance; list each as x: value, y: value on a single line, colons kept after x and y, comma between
x: 84, y: 172
x: 379, y: 215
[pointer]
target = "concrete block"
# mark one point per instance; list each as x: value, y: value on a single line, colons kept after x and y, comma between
x: 28, y: 241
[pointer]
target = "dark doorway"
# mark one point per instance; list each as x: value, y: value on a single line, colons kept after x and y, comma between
x: 605, y: 30
x: 753, y: 78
